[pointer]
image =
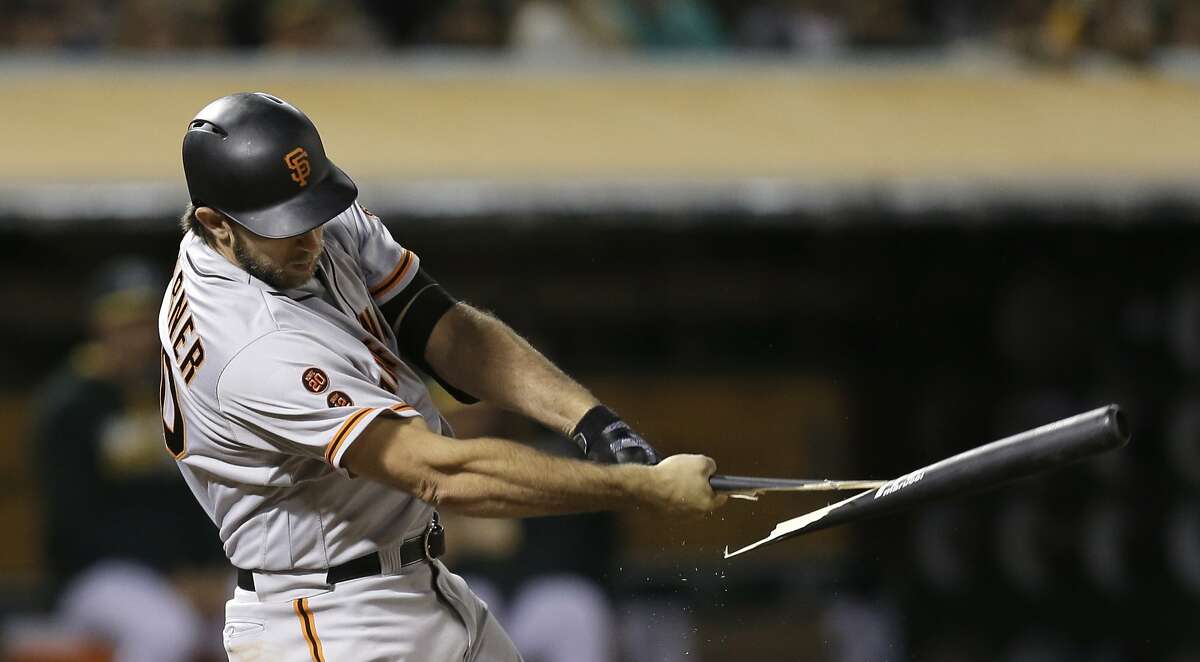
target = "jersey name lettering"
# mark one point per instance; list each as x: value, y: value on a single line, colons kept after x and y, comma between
x: 183, y: 329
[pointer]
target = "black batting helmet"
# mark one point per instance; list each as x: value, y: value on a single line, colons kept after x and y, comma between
x: 259, y: 160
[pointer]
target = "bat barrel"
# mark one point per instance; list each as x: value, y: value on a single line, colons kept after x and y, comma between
x: 1020, y: 455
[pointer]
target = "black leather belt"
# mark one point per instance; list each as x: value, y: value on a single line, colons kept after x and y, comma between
x: 427, y: 546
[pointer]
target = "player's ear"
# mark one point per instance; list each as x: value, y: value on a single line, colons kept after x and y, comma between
x: 216, y: 224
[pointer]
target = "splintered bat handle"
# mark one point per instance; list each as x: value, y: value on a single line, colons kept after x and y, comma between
x: 725, y: 483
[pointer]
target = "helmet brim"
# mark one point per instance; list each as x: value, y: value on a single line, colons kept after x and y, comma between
x: 319, y: 204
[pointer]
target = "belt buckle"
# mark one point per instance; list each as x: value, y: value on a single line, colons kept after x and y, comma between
x: 434, y: 527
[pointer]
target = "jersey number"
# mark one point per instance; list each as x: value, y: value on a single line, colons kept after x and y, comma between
x: 168, y: 400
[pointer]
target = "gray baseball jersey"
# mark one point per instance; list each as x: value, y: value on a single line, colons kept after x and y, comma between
x: 264, y: 390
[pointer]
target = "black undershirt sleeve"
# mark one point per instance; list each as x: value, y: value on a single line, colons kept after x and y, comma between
x: 413, y: 314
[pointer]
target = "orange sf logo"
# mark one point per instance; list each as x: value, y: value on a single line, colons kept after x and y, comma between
x: 297, y: 161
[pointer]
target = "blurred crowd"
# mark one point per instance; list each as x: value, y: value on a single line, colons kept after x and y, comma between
x: 1050, y: 30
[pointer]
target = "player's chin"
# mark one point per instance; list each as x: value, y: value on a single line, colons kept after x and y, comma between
x: 293, y: 276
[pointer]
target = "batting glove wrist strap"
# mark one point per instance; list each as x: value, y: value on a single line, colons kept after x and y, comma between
x: 604, y: 437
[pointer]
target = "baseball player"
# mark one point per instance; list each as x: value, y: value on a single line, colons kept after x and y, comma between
x: 292, y: 330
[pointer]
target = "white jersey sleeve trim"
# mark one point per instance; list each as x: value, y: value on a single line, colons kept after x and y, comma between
x: 353, y: 426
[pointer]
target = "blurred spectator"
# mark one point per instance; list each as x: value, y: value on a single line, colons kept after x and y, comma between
x: 813, y: 27
x: 146, y: 25
x: 319, y: 25
x: 1126, y: 28
x: 91, y: 25
x: 1185, y: 25
x: 881, y: 23
x: 77, y: 25
x: 459, y: 23
x: 582, y: 25
x: 472, y: 23
x: 1060, y: 31
x: 669, y: 24
x: 134, y: 557
x: 549, y: 26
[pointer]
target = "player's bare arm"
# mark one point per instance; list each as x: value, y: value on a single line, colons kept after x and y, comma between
x: 489, y: 477
x: 483, y: 356
x: 479, y: 354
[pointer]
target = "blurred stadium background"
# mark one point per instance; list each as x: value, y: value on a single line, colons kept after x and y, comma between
x: 808, y: 238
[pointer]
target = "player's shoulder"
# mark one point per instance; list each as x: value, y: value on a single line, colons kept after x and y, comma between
x: 360, y: 238
x: 352, y: 223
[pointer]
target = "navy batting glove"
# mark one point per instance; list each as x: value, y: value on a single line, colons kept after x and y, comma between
x: 605, y: 438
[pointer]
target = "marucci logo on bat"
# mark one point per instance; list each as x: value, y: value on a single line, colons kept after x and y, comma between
x: 899, y: 484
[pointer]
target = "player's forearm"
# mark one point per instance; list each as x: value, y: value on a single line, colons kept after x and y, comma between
x: 483, y: 356
x: 492, y: 477
x: 497, y: 478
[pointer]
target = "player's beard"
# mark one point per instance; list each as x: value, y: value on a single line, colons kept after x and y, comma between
x: 271, y: 274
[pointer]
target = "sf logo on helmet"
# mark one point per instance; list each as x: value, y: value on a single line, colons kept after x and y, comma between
x: 297, y: 161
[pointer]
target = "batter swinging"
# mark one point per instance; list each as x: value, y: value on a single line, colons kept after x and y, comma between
x: 290, y: 330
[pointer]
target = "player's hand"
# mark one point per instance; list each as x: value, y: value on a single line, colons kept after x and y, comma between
x: 682, y: 488
x: 605, y: 438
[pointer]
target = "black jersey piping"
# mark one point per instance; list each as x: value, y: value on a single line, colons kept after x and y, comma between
x: 204, y: 274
